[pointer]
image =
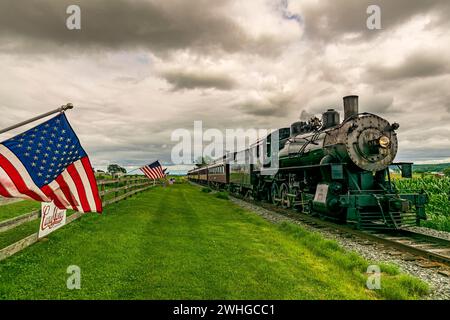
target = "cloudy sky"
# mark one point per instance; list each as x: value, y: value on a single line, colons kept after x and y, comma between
x: 139, y: 69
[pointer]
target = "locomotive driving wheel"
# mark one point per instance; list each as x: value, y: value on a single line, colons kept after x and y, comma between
x: 275, y: 194
x: 248, y: 195
x: 284, y: 196
x: 259, y: 193
x: 266, y: 193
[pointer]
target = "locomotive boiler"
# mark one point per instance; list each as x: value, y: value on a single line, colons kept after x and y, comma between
x: 339, y: 170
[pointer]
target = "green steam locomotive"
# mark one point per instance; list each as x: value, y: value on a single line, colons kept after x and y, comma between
x: 338, y: 170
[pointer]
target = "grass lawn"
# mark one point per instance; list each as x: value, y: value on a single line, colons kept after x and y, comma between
x: 181, y: 243
x: 16, y: 209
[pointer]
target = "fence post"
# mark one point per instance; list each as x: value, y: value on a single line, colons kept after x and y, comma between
x: 129, y: 186
x: 116, y: 185
x: 102, y: 189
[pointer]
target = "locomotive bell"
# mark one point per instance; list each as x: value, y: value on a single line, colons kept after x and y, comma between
x: 350, y: 106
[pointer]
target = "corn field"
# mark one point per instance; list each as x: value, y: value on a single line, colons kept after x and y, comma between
x: 438, y: 190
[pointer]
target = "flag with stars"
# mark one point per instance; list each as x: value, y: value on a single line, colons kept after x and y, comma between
x: 47, y: 163
x: 153, y: 171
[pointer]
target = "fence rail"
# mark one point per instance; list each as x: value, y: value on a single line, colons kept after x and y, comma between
x: 120, y: 189
x: 17, y: 221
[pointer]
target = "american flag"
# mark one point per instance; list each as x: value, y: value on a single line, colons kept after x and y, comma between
x: 153, y: 171
x: 47, y: 163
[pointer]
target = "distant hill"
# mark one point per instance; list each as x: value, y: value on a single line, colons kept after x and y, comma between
x: 419, y: 168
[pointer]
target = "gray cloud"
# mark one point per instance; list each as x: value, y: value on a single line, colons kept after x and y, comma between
x: 260, y: 109
x: 161, y: 26
x: 417, y: 65
x: 272, y: 104
x: 181, y: 79
x: 424, y: 154
x: 332, y: 20
x: 378, y: 103
x: 305, y: 116
x: 140, y: 69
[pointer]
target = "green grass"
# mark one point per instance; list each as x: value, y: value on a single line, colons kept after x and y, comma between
x: 222, y: 195
x: 394, y: 284
x: 180, y: 243
x: 16, y: 209
x: 13, y: 235
x: 24, y: 230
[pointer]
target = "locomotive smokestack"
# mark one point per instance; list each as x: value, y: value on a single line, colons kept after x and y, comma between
x: 350, y: 106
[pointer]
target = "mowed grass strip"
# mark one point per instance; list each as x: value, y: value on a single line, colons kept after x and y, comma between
x: 180, y: 243
x: 12, y: 210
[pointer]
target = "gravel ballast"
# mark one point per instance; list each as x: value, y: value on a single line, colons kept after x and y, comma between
x: 431, y: 232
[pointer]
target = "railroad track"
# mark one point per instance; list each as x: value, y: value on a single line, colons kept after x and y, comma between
x: 427, y: 251
x: 431, y: 248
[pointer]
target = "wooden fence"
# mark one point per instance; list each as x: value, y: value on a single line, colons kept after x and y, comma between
x: 111, y: 191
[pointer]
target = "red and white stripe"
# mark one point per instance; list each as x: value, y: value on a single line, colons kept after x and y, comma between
x: 15, y: 182
x: 75, y: 188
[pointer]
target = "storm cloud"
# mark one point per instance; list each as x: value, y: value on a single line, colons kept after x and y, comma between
x: 140, y: 69
x: 332, y: 21
x: 416, y: 65
x: 160, y: 26
x: 198, y: 80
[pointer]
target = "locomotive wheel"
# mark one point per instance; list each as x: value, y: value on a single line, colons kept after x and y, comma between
x: 295, y: 200
x: 259, y: 192
x: 267, y: 194
x: 258, y: 195
x: 248, y: 195
x: 275, y: 194
x: 285, y: 201
x: 343, y: 217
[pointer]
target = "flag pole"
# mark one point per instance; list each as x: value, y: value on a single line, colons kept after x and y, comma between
x: 139, y: 168
x: 60, y: 109
x: 133, y: 170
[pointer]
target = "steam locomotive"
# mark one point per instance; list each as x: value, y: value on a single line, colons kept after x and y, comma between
x: 337, y: 170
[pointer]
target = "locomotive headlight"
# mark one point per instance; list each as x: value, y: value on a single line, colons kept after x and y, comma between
x: 384, y: 142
